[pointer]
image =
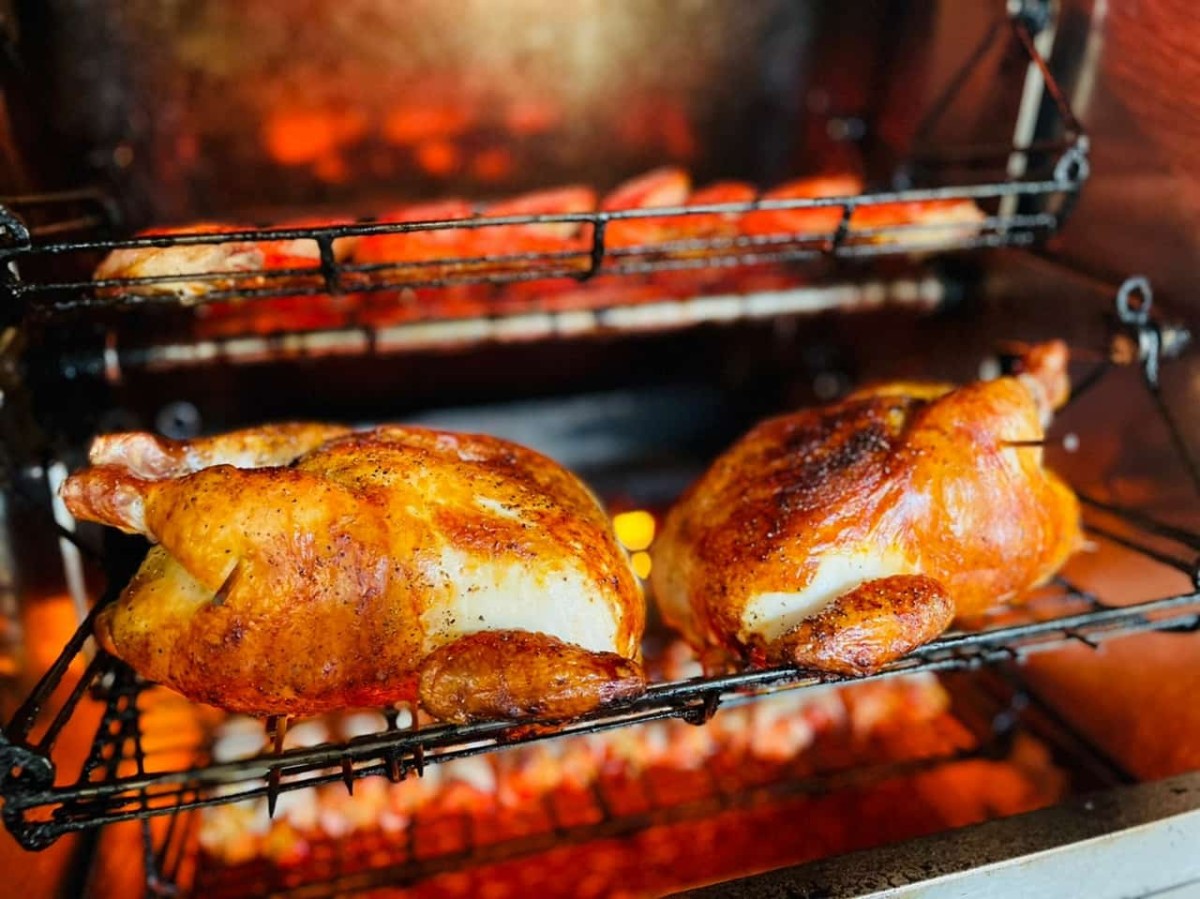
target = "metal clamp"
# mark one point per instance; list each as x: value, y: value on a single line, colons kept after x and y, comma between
x: 14, y: 236
x: 1035, y: 15
x: 1073, y: 167
x: 1145, y: 341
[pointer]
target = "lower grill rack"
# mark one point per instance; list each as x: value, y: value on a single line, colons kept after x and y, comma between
x: 122, y: 779
x: 119, y: 782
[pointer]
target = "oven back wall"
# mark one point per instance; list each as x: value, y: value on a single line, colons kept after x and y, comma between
x: 206, y: 107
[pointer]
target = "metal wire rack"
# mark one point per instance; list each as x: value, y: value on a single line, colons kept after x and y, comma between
x: 1016, y: 211
x: 115, y: 782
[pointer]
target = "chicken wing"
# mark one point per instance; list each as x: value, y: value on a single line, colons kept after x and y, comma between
x: 332, y: 567
x: 842, y: 537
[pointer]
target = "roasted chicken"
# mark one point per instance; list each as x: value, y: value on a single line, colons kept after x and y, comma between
x: 840, y: 538
x: 304, y: 568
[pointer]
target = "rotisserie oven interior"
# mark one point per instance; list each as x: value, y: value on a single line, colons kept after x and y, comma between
x: 738, y: 435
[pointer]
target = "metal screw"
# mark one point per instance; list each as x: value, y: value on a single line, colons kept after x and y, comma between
x: 178, y: 420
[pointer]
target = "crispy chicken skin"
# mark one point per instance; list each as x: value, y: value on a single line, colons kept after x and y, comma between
x: 509, y: 673
x: 842, y: 537
x: 303, y: 568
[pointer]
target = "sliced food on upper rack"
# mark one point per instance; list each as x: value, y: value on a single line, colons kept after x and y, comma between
x: 305, y: 568
x: 842, y: 537
x: 448, y: 252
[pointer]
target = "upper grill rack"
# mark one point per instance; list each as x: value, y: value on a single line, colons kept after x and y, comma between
x: 332, y: 277
x: 1018, y: 212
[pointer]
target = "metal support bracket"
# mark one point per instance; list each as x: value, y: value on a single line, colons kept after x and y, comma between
x: 1144, y: 341
x: 1035, y: 15
x: 14, y: 236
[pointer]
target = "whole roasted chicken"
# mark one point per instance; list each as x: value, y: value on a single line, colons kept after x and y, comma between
x: 840, y: 538
x: 302, y: 568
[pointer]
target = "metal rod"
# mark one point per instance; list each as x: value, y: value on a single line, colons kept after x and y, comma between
x: 99, y: 661
x: 1188, y: 568
x: 22, y: 720
x: 369, y: 229
x: 1186, y: 456
x: 939, y: 106
x: 1144, y: 521
x: 1021, y: 30
x: 281, y: 281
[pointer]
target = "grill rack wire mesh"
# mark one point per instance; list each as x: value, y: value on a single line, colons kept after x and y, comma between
x: 115, y: 784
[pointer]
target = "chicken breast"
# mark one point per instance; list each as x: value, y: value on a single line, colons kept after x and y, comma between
x: 302, y: 568
x: 842, y: 537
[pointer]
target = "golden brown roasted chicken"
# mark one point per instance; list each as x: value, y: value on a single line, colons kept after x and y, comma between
x: 842, y: 537
x: 302, y: 568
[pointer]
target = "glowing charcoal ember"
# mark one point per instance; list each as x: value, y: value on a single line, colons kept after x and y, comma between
x: 502, y: 787
x: 415, y: 122
x: 312, y: 137
x: 362, y: 724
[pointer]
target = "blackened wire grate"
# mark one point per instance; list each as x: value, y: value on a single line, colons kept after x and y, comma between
x: 116, y: 783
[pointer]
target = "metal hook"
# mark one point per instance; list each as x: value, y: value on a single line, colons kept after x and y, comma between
x: 14, y: 236
x: 1073, y: 166
x: 1129, y: 311
x: 1035, y: 15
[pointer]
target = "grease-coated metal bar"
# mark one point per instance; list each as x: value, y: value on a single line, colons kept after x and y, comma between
x: 1177, y: 439
x: 1144, y: 521
x: 1021, y: 30
x: 22, y: 720
x: 84, y: 302
x: 277, y: 279
x: 1188, y: 568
